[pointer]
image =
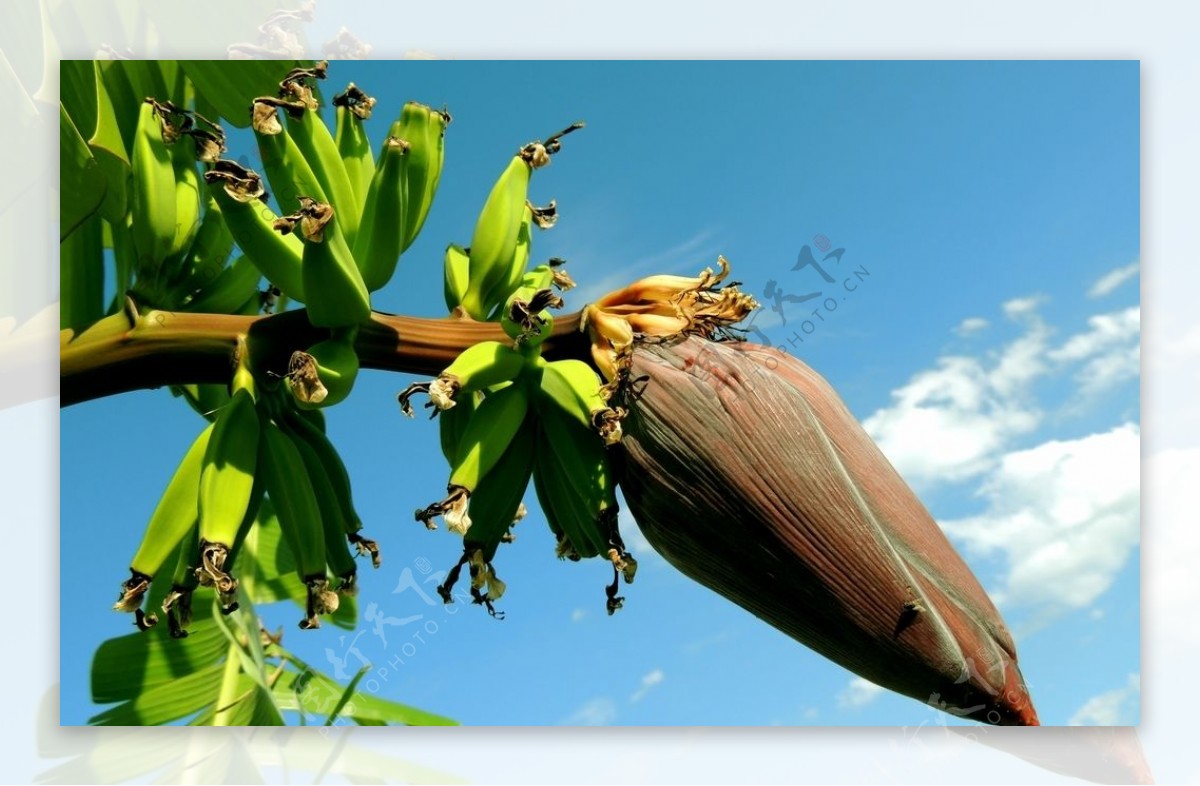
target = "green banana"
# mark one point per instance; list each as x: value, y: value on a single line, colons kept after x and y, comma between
x: 174, y: 515
x: 209, y: 251
x: 299, y: 518
x: 337, y: 552
x: 578, y: 485
x: 206, y: 399
x: 289, y: 173
x: 309, y: 426
x: 380, y: 238
x: 325, y: 374
x: 187, y: 203
x: 336, y: 294
x: 569, y: 514
x: 319, y: 149
x: 525, y: 317
x: 153, y: 206
x: 575, y: 388
x: 452, y: 422
x: 477, y: 367
x: 495, y: 297
x: 547, y: 275
x: 229, y: 291
x: 487, y: 435
x: 540, y: 277
x: 353, y: 107
x: 252, y: 225
x: 496, y: 500
x: 177, y: 603
x: 227, y: 481
x: 457, y: 276
x: 424, y: 128
x: 494, y: 242
x: 257, y: 492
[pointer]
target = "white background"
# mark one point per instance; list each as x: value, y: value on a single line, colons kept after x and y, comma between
x: 1162, y: 35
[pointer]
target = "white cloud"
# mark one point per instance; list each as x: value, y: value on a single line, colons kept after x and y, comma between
x: 952, y: 422
x: 858, y: 693
x: 1065, y: 517
x: 600, y: 711
x: 971, y: 325
x: 1117, y: 707
x: 1111, y: 347
x: 577, y: 615
x: 649, y: 681
x: 1020, y: 306
x: 1109, y: 282
x: 949, y: 423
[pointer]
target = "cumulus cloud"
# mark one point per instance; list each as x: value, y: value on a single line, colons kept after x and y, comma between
x: 1064, y: 516
x: 858, y: 693
x: 952, y: 422
x: 948, y: 423
x: 1110, y: 350
x: 1110, y: 281
x: 600, y: 711
x: 971, y: 325
x: 1020, y: 306
x: 649, y: 681
x: 1117, y: 707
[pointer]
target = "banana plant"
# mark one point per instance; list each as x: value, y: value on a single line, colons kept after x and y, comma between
x: 250, y: 294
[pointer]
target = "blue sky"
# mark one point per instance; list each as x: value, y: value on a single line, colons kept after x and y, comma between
x: 991, y: 350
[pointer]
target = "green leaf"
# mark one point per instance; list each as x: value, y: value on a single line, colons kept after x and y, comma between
x: 128, y: 666
x: 264, y: 565
x: 109, y: 149
x: 91, y: 109
x: 81, y: 276
x: 230, y: 86
x: 82, y: 184
x: 320, y: 693
x: 347, y: 694
x: 253, y: 708
x: 128, y: 83
x: 170, y: 701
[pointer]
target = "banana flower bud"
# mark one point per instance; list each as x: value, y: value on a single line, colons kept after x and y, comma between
x: 746, y: 471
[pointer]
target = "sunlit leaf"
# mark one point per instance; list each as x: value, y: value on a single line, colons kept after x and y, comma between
x: 124, y: 667
x: 230, y: 86
x: 82, y: 184
x: 320, y: 693
x: 81, y: 276
x: 170, y: 701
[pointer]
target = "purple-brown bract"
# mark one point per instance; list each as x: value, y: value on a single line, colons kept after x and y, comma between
x: 746, y: 471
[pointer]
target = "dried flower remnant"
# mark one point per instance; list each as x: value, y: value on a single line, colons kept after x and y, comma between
x: 664, y: 306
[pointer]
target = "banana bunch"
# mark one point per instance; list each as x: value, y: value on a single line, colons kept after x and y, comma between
x: 346, y: 216
x: 163, y: 225
x: 481, y: 278
x: 259, y: 444
x: 424, y: 129
x: 509, y: 416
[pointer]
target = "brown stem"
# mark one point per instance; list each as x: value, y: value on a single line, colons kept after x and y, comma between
x: 172, y: 348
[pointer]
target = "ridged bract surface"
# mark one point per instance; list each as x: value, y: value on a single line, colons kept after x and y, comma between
x: 746, y: 471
